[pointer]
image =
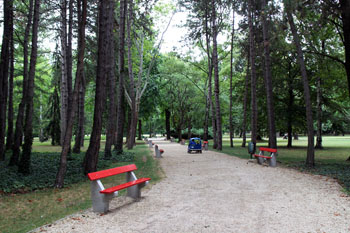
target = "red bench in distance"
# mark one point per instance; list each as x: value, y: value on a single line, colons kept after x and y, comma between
x: 101, y: 196
x: 271, y: 158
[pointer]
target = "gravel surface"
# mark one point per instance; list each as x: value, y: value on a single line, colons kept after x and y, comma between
x: 213, y: 192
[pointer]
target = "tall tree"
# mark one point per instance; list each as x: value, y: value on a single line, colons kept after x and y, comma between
x: 231, y: 76
x: 21, y: 108
x: 245, y: 102
x: 268, y: 78
x: 105, y: 67
x: 345, y: 16
x: 112, y: 117
x: 132, y: 94
x: 122, y: 73
x: 216, y: 77
x: 254, y: 106
x: 9, y: 137
x: 82, y: 14
x: 4, y: 71
x: 310, y: 158
x: 24, y: 164
x: 64, y: 69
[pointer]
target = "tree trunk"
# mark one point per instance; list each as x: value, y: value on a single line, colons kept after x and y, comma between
x: 254, y: 106
x: 20, y: 112
x: 210, y: 73
x: 4, y: 73
x: 82, y: 14
x: 167, y: 124
x: 9, y: 138
x: 64, y: 79
x: 112, y: 117
x: 290, y: 111
x: 268, y: 79
x: 79, y: 139
x: 245, y: 104
x: 140, y: 130
x: 120, y: 108
x: 133, y: 117
x: 24, y: 164
x: 345, y: 16
x: 310, y: 159
x: 231, y: 74
x: 105, y: 50
x: 319, y: 115
x: 216, y: 80
x: 206, y: 119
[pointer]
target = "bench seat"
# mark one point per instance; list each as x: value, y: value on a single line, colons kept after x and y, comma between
x: 124, y: 186
x: 263, y: 156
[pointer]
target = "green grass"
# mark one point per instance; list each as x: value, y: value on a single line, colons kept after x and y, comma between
x: 24, y: 212
x: 331, y: 161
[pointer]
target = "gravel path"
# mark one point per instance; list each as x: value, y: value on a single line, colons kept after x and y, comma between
x: 213, y: 192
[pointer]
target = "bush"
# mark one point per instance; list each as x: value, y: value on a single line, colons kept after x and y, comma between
x: 44, y: 167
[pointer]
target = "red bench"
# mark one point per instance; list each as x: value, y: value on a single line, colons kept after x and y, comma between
x: 262, y: 158
x: 101, y: 196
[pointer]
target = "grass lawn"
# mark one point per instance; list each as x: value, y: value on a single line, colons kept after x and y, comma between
x: 331, y: 161
x: 24, y: 212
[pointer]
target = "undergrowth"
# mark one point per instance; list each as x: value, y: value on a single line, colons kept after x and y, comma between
x: 44, y: 167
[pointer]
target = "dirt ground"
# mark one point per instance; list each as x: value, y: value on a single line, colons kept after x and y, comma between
x: 213, y: 192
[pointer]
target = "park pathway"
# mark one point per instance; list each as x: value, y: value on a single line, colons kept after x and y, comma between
x: 213, y: 192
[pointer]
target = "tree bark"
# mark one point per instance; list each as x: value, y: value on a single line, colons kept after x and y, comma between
x: 245, y: 104
x: 216, y: 79
x: 231, y: 76
x: 133, y: 110
x: 122, y: 73
x: 310, y: 158
x: 59, y: 182
x: 319, y: 115
x: 4, y: 72
x: 9, y: 138
x: 268, y: 78
x: 64, y: 78
x: 210, y: 74
x: 20, y: 112
x: 206, y: 119
x: 345, y: 16
x: 112, y: 114
x: 290, y: 111
x: 167, y: 124
x: 254, y: 106
x: 105, y: 50
x: 140, y: 130
x: 82, y: 14
x: 24, y: 164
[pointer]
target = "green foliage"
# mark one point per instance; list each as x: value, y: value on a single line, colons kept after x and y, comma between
x: 44, y: 168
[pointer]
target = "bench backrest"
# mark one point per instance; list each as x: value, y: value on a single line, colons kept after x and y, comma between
x: 268, y: 149
x: 111, y: 172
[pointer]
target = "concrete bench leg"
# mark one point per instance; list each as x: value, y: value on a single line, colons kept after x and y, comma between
x: 260, y: 160
x: 273, y: 161
x: 100, y: 202
x: 134, y: 191
x: 150, y: 145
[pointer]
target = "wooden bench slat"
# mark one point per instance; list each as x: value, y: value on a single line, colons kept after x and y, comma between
x: 111, y: 172
x: 268, y: 149
x: 263, y: 156
x: 123, y: 186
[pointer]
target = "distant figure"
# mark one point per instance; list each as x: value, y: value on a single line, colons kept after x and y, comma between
x: 285, y: 136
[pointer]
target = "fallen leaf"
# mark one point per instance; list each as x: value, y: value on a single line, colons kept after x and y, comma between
x: 77, y: 219
x: 336, y: 214
x: 30, y: 200
x: 59, y: 199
